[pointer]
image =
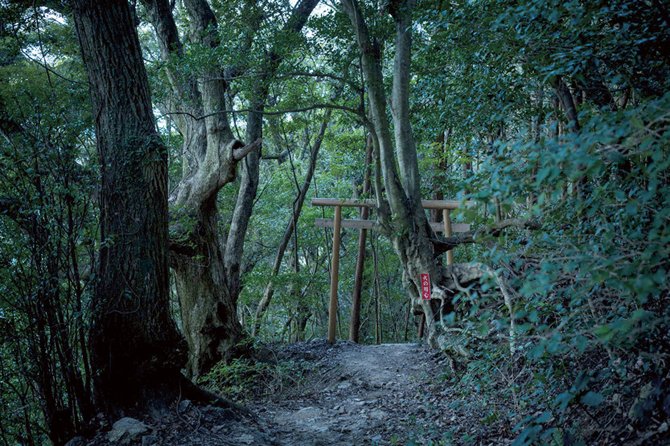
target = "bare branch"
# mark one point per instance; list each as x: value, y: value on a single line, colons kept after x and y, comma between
x: 519, y: 223
x: 321, y: 74
x: 443, y: 244
x: 50, y: 70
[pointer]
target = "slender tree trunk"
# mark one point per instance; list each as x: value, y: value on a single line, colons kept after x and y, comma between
x: 290, y: 226
x: 440, y: 153
x: 567, y: 101
x: 135, y: 347
x: 376, y: 288
x: 355, y: 317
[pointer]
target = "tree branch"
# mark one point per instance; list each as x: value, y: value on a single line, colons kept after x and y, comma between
x: 443, y: 244
x: 320, y: 74
x: 11, y: 207
x: 50, y: 70
x: 240, y: 153
x: 271, y: 113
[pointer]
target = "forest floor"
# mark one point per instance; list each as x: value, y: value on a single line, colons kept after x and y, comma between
x: 345, y: 394
x: 373, y: 394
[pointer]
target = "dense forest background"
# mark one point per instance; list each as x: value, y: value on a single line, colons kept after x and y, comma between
x: 550, y: 116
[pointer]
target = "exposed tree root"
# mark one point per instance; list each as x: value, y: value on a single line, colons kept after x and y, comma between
x: 200, y: 395
x: 460, y: 278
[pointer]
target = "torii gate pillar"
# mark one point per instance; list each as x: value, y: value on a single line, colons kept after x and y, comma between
x: 334, y: 276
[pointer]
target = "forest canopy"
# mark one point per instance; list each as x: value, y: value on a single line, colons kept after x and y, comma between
x: 157, y: 170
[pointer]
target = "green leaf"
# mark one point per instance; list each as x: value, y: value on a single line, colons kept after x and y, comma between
x: 563, y: 400
x: 537, y: 351
x: 542, y: 174
x: 546, y: 416
x: 581, y: 343
x: 581, y: 382
x: 592, y: 399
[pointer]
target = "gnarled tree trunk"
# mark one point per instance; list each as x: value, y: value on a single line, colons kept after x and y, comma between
x: 207, y: 265
x: 403, y: 219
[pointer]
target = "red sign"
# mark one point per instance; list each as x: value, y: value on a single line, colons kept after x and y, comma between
x: 425, y: 286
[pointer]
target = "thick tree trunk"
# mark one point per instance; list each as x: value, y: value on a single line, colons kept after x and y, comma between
x: 135, y: 347
x: 410, y: 233
x: 408, y: 230
x: 208, y: 309
x: 567, y: 101
x: 206, y: 270
x: 207, y: 266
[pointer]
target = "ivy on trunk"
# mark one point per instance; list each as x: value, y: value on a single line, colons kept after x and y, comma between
x: 136, y: 350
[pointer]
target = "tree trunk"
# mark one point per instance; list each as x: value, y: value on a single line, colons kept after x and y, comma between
x: 355, y: 317
x: 567, y: 101
x: 136, y: 349
x: 207, y: 268
x: 408, y: 231
x: 209, y: 314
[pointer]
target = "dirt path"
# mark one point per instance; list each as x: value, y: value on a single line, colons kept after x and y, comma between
x: 352, y: 394
x: 359, y: 394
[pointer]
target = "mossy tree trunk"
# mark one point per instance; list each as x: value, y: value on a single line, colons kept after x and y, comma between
x: 402, y: 218
x: 205, y: 261
x: 136, y: 350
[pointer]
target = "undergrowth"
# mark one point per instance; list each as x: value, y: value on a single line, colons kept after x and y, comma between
x: 580, y: 354
x: 245, y: 379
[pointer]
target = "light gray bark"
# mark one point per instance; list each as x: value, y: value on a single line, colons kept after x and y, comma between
x: 404, y: 139
x: 206, y: 265
x: 370, y: 57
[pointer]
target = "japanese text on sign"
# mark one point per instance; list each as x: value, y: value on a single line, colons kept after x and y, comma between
x: 425, y: 286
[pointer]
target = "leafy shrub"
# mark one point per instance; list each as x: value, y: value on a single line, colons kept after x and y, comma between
x: 245, y: 378
x: 592, y: 305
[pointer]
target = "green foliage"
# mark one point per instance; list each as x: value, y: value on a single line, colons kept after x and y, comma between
x: 592, y: 306
x: 244, y: 378
x: 47, y: 231
x: 590, y: 288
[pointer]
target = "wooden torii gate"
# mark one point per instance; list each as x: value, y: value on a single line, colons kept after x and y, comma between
x: 446, y: 206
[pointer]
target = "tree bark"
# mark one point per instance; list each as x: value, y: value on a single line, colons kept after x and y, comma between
x: 565, y: 96
x: 207, y: 266
x: 409, y: 232
x: 403, y: 219
x: 135, y: 346
x: 355, y: 316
